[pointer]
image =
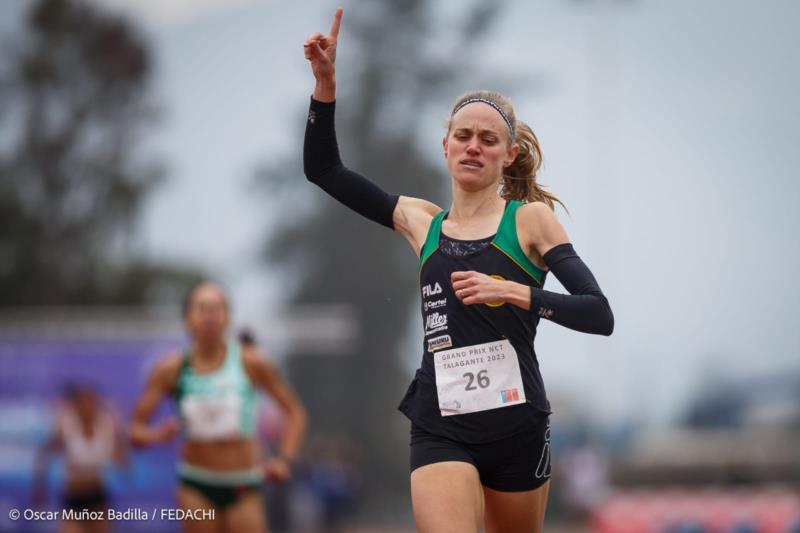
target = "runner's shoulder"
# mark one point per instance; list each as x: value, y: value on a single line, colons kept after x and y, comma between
x: 419, y: 205
x: 538, y: 221
x: 537, y: 212
x: 167, y: 369
x: 255, y: 359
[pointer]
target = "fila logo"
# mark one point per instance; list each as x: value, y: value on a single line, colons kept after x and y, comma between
x: 427, y: 290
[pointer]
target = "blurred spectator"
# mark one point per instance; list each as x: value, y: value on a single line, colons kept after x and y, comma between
x: 88, y: 435
x: 586, y: 478
x: 334, y: 480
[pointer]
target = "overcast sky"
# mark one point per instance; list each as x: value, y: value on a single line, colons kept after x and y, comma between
x: 669, y: 129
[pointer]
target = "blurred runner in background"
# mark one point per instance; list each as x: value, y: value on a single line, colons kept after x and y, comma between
x: 88, y: 435
x: 214, y: 382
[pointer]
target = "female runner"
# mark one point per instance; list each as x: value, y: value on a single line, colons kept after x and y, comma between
x: 214, y: 383
x: 480, y: 454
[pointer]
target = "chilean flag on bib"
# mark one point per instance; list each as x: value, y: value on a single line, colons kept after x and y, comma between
x: 509, y: 395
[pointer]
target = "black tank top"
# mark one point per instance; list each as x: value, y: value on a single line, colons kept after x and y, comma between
x: 450, y: 324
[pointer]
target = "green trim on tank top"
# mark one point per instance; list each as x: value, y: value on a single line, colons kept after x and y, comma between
x: 186, y: 367
x: 432, y: 239
x: 506, y: 241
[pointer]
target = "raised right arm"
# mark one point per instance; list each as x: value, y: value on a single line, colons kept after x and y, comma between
x: 323, y: 166
x: 322, y: 163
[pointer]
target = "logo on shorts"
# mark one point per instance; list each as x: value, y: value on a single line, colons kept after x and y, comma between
x: 437, y: 343
x: 433, y: 290
x: 434, y: 304
x: 543, y: 469
x: 435, y: 322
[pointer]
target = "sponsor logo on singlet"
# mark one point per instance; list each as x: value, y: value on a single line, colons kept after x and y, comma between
x: 496, y: 304
x: 437, y: 343
x: 435, y: 322
x: 431, y: 290
x: 434, y: 304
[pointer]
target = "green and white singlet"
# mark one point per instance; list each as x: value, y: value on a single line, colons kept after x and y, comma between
x: 219, y: 405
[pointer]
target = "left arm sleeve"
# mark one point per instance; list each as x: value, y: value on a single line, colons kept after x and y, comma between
x: 585, y: 308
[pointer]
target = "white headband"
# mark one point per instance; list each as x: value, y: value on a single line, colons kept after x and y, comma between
x: 496, y: 108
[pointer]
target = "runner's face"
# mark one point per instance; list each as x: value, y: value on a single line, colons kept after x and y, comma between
x: 207, y: 316
x: 477, y: 147
x: 85, y: 404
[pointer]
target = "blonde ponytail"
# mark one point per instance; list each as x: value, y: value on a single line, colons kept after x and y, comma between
x: 519, y: 178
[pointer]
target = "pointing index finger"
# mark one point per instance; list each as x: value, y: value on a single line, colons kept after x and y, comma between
x: 337, y: 21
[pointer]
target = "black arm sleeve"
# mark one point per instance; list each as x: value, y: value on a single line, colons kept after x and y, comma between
x: 585, y: 308
x: 323, y: 166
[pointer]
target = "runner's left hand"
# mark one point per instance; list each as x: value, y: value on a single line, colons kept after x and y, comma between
x: 476, y: 288
x: 277, y: 470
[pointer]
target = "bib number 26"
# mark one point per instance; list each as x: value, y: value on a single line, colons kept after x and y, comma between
x: 481, y: 379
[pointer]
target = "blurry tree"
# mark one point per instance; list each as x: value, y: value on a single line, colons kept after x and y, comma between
x: 395, y: 59
x: 73, y: 88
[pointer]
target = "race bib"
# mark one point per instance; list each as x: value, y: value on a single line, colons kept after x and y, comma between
x: 478, y: 378
x: 211, y: 418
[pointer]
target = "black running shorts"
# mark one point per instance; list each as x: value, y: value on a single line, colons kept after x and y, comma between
x: 517, y: 463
